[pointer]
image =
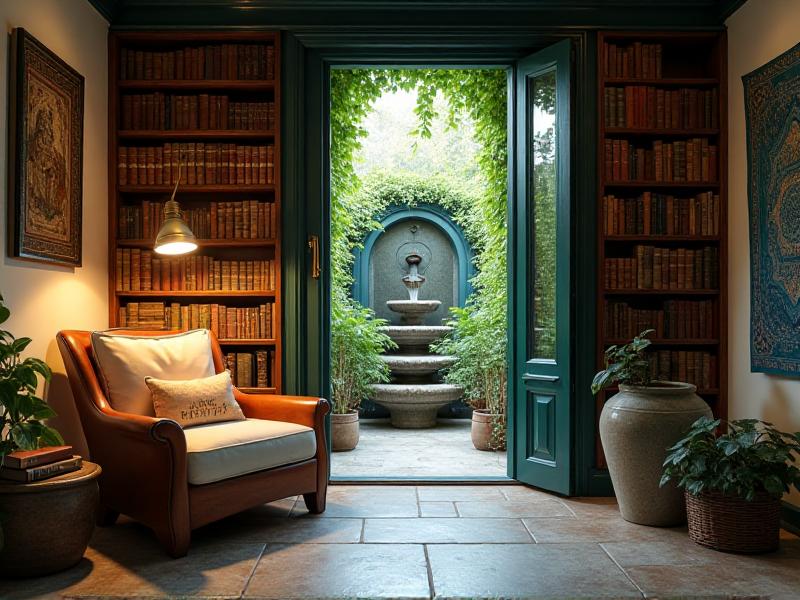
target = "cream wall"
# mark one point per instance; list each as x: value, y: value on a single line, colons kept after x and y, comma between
x: 758, y: 32
x: 45, y: 299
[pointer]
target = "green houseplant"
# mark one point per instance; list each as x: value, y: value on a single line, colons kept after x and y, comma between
x: 357, y: 343
x: 22, y: 410
x: 637, y: 424
x: 478, y: 341
x: 734, y: 475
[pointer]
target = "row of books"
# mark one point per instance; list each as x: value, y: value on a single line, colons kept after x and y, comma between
x: 661, y: 214
x: 647, y: 107
x: 634, y: 60
x: 142, y: 270
x: 691, y: 366
x: 655, y: 268
x: 166, y: 112
x: 251, y: 369
x: 242, y: 220
x: 227, y: 322
x: 678, y: 161
x: 217, y: 61
x: 26, y: 466
x: 674, y: 320
x: 198, y: 163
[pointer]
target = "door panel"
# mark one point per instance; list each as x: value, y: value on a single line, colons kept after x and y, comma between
x: 542, y: 404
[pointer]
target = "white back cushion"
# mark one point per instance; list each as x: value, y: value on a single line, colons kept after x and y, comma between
x: 125, y: 361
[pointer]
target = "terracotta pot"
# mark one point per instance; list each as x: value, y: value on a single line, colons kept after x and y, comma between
x: 637, y: 425
x: 344, y: 431
x: 47, y: 524
x: 482, y: 421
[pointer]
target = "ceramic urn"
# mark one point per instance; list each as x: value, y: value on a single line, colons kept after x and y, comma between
x: 637, y: 425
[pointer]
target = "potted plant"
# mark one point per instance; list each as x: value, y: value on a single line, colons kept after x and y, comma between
x: 32, y: 543
x: 637, y: 425
x: 356, y: 347
x: 733, y: 482
x: 478, y: 342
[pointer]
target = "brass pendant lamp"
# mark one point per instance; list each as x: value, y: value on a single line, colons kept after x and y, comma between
x: 174, y: 237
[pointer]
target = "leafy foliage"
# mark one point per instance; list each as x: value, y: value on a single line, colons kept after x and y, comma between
x: 479, y: 94
x: 22, y: 410
x: 356, y: 345
x: 750, y: 457
x: 625, y: 364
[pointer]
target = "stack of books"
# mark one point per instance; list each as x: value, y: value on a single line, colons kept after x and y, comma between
x: 34, y: 465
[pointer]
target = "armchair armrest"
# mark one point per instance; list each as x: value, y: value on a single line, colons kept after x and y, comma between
x: 303, y: 410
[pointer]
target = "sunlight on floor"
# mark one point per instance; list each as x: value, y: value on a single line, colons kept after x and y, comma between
x: 444, y: 451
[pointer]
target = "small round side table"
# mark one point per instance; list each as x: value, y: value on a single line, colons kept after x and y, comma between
x: 46, y: 525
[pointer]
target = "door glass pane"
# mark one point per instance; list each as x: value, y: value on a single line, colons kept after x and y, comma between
x: 543, y: 188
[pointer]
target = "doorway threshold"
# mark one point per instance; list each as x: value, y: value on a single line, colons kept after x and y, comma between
x: 390, y: 480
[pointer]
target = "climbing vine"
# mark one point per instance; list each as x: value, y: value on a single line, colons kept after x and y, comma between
x: 479, y: 94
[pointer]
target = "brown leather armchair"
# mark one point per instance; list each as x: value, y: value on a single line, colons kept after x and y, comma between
x: 144, y: 459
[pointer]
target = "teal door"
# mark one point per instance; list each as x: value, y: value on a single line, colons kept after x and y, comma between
x: 540, y: 428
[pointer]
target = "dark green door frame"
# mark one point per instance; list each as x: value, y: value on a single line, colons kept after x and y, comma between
x: 306, y: 140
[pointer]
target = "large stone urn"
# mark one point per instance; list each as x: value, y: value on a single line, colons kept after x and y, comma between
x: 637, y: 425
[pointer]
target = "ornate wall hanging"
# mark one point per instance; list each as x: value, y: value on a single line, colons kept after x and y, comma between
x: 45, y: 154
x: 772, y: 109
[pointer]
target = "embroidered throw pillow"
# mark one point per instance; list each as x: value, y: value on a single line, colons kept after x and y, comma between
x: 195, y: 401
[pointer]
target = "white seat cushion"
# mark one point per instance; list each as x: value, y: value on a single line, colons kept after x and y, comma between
x: 125, y: 360
x: 223, y: 450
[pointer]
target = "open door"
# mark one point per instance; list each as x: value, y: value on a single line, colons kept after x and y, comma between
x: 540, y: 410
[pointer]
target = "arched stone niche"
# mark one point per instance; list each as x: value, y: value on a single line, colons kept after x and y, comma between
x: 447, y: 261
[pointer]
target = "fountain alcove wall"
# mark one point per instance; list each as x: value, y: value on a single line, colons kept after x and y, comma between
x: 447, y: 268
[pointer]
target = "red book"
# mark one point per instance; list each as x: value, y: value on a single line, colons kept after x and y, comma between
x: 24, y: 459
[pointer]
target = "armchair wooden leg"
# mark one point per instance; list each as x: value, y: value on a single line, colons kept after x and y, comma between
x: 315, y: 502
x: 175, y: 541
x: 106, y: 517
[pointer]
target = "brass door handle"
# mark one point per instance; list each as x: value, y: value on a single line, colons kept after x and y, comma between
x: 313, y: 244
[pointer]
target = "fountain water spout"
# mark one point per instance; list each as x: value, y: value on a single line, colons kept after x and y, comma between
x: 413, y: 280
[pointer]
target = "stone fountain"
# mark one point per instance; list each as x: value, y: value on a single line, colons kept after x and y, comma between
x: 415, y: 395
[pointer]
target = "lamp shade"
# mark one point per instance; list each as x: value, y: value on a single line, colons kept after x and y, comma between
x: 174, y: 237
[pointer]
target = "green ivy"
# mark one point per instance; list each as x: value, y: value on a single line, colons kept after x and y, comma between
x: 480, y: 94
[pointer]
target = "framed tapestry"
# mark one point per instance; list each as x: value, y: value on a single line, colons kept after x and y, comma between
x: 45, y: 150
x: 772, y: 110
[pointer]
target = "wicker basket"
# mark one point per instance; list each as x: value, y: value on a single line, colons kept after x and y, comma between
x: 732, y: 524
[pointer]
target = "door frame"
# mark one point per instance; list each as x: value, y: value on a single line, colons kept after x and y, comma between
x: 307, y: 62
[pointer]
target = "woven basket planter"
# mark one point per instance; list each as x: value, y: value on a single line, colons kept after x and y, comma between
x: 732, y: 524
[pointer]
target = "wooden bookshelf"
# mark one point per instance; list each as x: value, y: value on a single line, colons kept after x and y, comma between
x: 244, y: 69
x: 641, y: 103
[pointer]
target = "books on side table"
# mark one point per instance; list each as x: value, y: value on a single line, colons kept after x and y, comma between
x: 27, y: 466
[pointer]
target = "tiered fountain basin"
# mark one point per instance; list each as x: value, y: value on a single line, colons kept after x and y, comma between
x: 415, y: 338
x: 414, y: 405
x: 414, y: 396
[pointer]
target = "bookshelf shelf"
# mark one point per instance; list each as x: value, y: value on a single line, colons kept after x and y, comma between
x: 196, y: 294
x: 258, y: 390
x: 226, y: 243
x: 663, y: 184
x: 197, y: 189
x: 667, y: 342
x: 197, y: 84
x: 659, y: 238
x: 146, y: 100
x: 247, y: 342
x: 196, y: 134
x: 661, y: 110
x: 666, y: 81
x: 638, y: 292
x: 656, y: 131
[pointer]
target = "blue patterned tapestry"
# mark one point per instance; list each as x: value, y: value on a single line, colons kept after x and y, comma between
x: 772, y: 109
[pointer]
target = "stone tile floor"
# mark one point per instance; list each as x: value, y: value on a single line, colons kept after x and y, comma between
x: 422, y: 542
x: 388, y: 453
